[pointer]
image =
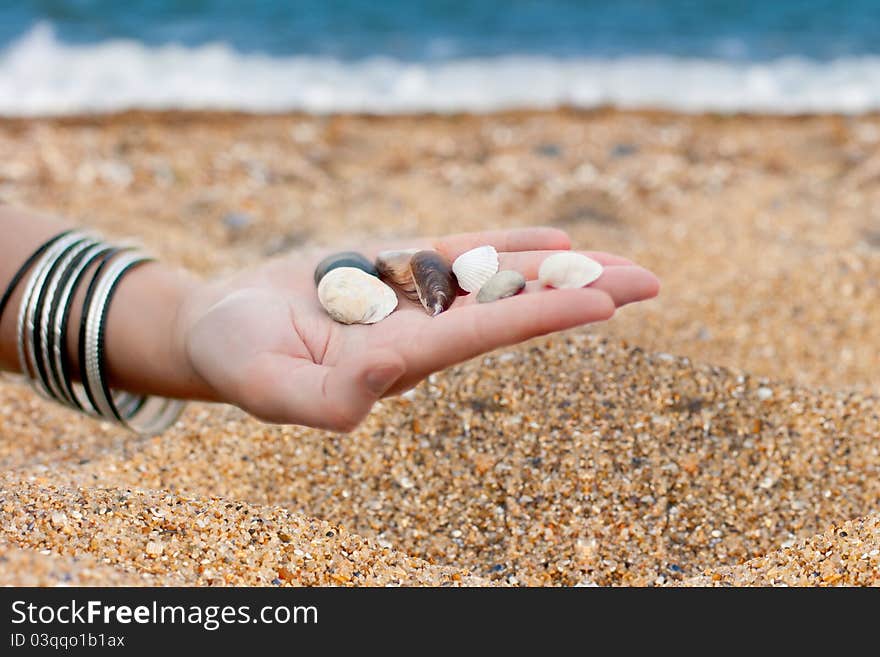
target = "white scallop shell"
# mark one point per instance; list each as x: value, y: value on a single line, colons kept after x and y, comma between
x: 568, y: 270
x: 473, y: 268
x: 352, y: 296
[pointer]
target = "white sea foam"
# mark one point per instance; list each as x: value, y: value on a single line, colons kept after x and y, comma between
x: 41, y: 75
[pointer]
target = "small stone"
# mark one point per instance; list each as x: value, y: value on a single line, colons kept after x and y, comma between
x: 504, y: 284
x: 237, y: 221
x: 548, y: 150
x: 764, y: 393
x: 624, y: 150
x: 344, y: 259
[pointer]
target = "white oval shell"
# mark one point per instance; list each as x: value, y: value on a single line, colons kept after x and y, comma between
x: 352, y: 296
x: 568, y: 270
x: 473, y: 268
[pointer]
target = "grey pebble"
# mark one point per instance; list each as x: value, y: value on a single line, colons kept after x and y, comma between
x: 237, y: 221
x: 503, y: 284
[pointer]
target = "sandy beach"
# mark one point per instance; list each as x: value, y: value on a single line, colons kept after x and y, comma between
x: 726, y: 433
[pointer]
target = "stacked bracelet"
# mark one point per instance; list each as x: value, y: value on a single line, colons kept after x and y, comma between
x: 58, y: 270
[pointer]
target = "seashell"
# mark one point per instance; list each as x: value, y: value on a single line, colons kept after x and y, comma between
x: 352, y: 296
x: 473, y: 268
x: 393, y: 266
x: 502, y: 285
x: 344, y: 259
x: 434, y: 281
x: 568, y: 270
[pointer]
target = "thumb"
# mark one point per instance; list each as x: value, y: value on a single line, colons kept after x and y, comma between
x: 351, y: 389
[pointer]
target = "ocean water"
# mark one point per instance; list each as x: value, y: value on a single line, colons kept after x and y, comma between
x: 385, y: 56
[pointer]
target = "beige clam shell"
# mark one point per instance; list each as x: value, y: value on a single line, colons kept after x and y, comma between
x: 351, y: 296
x: 473, y: 268
x: 568, y: 270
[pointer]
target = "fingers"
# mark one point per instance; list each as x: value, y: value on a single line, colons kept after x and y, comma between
x: 527, y: 263
x: 537, y: 238
x: 472, y: 329
x: 288, y: 391
x: 627, y: 284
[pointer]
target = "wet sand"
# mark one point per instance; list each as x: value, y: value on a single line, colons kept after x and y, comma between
x: 725, y: 433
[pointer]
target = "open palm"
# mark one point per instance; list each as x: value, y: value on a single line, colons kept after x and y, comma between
x: 262, y: 341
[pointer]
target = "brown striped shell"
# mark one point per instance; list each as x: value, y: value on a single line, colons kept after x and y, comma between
x: 394, y: 267
x: 434, y: 281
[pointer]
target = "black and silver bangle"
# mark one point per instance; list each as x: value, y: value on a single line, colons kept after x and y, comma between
x: 74, y: 393
x: 50, y: 338
x: 42, y: 336
x: 26, y: 349
x: 147, y: 415
x: 85, y: 380
x: 92, y: 364
x: 59, y: 310
x: 16, y: 278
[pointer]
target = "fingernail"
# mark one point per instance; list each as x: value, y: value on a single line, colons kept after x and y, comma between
x: 380, y: 379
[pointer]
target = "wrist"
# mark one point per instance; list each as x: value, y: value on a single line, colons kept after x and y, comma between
x: 146, y: 334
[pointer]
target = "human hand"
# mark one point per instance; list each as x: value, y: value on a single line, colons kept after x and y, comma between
x: 262, y: 341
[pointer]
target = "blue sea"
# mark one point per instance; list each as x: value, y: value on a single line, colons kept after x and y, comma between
x: 782, y: 56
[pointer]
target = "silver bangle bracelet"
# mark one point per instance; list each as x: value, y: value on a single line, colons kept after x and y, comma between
x: 52, y: 372
x: 145, y: 414
x: 91, y: 367
x: 71, y: 393
x: 26, y: 353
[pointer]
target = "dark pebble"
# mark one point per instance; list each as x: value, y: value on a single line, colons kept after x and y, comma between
x: 548, y: 150
x: 344, y: 259
x: 624, y: 150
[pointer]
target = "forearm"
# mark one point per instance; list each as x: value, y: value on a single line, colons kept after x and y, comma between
x: 144, y: 348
